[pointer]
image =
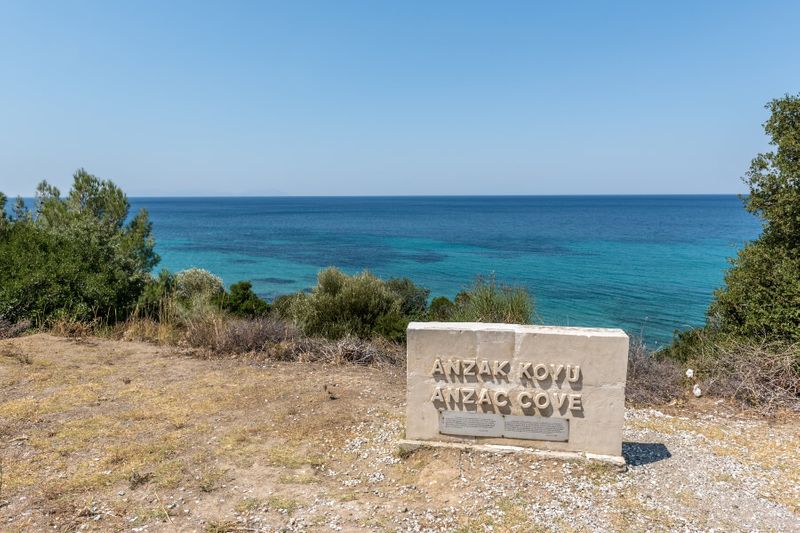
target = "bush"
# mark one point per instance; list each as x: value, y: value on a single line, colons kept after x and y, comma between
x: 652, y: 379
x: 238, y: 336
x: 157, y: 297
x: 413, y: 298
x: 764, y: 375
x: 10, y: 329
x: 242, y: 301
x: 441, y: 309
x: 348, y: 350
x: 277, y: 340
x: 361, y: 305
x: 486, y: 301
x: 198, y: 284
x: 757, y: 373
x: 685, y: 344
x: 761, y: 297
x: 74, y: 257
x: 282, y: 305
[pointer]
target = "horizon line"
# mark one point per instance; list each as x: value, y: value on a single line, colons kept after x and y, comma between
x: 434, y: 195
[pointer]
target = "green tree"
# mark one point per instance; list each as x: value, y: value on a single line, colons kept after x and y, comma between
x: 75, y: 256
x: 3, y: 214
x: 413, y: 298
x: 441, y: 309
x: 761, y: 296
x: 242, y: 301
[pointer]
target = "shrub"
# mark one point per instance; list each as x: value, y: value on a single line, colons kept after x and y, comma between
x: 242, y: 301
x: 156, y: 299
x: 361, y: 305
x: 764, y: 375
x: 441, y: 309
x: 74, y: 257
x: 350, y: 350
x: 10, y: 329
x: 486, y: 301
x: 413, y: 298
x: 757, y: 373
x: 197, y: 284
x: 238, y: 336
x: 685, y: 344
x: 652, y: 379
x: 761, y: 297
x: 282, y: 305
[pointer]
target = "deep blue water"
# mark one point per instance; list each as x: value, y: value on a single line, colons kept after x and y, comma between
x: 647, y: 264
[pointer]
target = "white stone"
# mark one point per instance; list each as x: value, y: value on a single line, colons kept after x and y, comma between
x: 574, y: 374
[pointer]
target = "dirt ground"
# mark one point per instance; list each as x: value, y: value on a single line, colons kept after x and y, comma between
x: 100, y: 435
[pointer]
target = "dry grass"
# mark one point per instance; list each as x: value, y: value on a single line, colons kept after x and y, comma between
x: 213, y: 334
x: 224, y: 526
x: 764, y: 376
x: 69, y: 327
x: 651, y: 381
x: 21, y: 358
x: 283, y: 504
x: 96, y: 417
x: 10, y: 329
x: 148, y: 330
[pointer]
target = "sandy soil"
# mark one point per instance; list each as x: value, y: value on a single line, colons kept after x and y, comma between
x: 99, y: 435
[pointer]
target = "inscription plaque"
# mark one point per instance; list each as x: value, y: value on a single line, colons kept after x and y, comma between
x: 470, y: 424
x: 508, y: 426
x: 536, y: 428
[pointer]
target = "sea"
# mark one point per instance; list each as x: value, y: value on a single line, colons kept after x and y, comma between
x: 646, y: 264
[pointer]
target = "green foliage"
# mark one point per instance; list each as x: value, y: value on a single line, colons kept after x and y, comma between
x: 282, y: 305
x: 687, y: 344
x: 158, y: 293
x: 198, y: 284
x: 361, y: 305
x: 74, y: 257
x: 441, y: 309
x: 242, y: 301
x: 3, y: 214
x: 365, y: 306
x: 761, y: 297
x: 20, y: 210
x: 774, y: 177
x: 486, y: 301
x: 413, y: 298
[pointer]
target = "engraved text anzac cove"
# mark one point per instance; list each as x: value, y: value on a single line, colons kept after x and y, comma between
x: 536, y: 377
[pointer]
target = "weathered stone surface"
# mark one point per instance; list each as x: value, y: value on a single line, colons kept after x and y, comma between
x: 575, y: 374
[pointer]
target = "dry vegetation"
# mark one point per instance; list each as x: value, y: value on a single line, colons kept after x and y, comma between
x: 651, y: 381
x: 107, y: 435
x: 261, y: 339
x: 10, y: 329
x: 762, y: 375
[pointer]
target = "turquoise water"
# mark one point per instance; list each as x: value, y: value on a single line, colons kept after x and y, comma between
x: 647, y: 264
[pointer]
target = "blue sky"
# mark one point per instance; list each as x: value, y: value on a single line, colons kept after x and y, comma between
x: 377, y: 97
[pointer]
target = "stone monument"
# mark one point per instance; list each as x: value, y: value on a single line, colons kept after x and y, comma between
x: 511, y: 387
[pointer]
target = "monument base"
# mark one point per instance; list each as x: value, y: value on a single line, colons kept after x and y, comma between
x: 411, y: 445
